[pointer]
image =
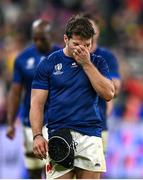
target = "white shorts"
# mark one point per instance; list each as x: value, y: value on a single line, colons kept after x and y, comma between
x: 88, y: 155
x: 32, y: 163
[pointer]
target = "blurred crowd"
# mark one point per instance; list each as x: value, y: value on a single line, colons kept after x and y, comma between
x: 121, y: 23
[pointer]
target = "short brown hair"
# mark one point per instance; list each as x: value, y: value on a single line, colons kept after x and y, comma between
x: 79, y: 26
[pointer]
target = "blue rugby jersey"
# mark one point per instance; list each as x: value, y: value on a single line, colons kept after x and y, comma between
x: 114, y: 73
x: 72, y: 101
x: 24, y: 68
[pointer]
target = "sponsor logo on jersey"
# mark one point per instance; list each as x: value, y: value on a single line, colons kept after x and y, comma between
x: 74, y: 65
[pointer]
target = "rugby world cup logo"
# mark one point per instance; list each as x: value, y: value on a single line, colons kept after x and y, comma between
x: 58, y: 68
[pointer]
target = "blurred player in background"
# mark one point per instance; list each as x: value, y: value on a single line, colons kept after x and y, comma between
x: 105, y: 107
x: 24, y: 68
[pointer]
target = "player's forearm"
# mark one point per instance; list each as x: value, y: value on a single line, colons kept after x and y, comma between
x: 117, y: 85
x: 103, y: 86
x: 36, y: 118
x: 38, y: 100
x: 13, y: 104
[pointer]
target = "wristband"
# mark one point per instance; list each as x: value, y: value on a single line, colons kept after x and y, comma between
x: 40, y: 134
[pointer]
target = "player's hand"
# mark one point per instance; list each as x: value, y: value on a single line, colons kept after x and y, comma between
x: 40, y: 147
x: 10, y: 133
x: 81, y: 55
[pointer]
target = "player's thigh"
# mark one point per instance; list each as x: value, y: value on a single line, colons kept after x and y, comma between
x: 69, y: 175
x: 84, y: 174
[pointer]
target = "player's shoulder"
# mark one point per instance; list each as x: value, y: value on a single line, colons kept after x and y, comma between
x: 104, y: 51
x: 107, y: 54
x: 51, y: 59
x: 27, y: 51
x: 97, y: 59
x: 55, y: 54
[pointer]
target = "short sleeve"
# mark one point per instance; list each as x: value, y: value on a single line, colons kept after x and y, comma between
x: 42, y: 74
x: 17, y: 72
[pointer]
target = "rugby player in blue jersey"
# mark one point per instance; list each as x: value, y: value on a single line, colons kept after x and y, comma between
x: 24, y: 67
x: 69, y: 84
x: 112, y: 62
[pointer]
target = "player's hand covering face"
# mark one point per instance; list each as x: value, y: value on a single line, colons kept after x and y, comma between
x: 79, y: 49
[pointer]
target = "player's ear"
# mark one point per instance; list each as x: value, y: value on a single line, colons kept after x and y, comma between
x: 65, y: 38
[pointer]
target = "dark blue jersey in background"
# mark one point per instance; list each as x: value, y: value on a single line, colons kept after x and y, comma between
x: 114, y: 73
x: 72, y: 101
x: 24, y: 68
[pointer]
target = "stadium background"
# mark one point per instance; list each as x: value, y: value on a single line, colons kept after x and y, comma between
x: 121, y: 23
